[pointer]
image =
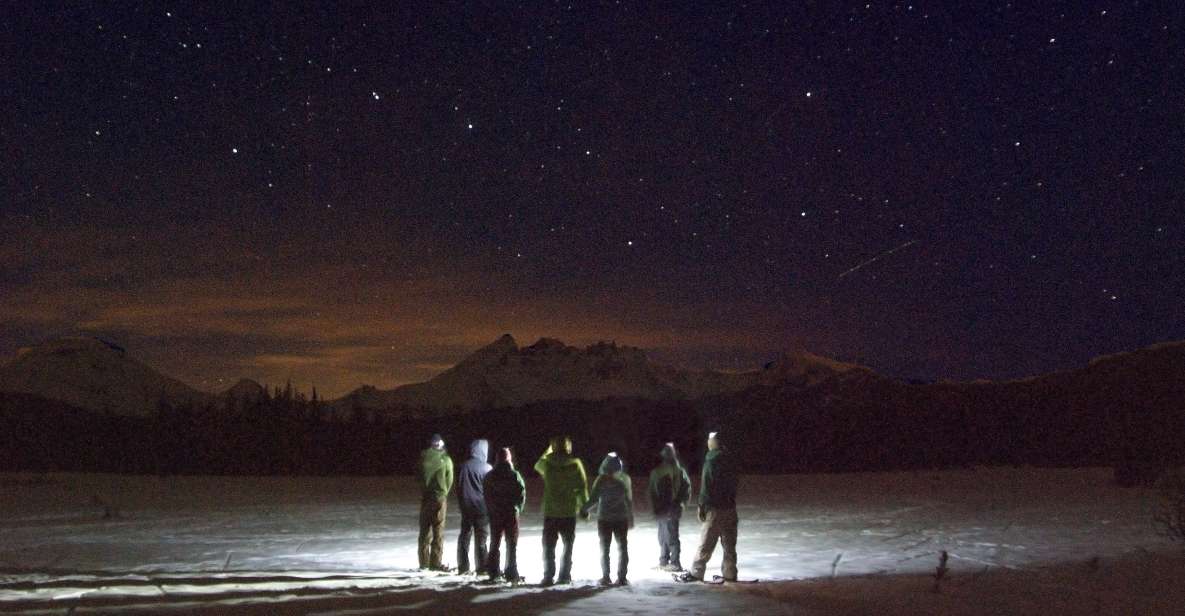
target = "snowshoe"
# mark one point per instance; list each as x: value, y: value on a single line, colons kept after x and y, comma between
x: 719, y: 579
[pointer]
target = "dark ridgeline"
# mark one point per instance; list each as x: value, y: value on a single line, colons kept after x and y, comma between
x: 1126, y: 410
x: 289, y: 434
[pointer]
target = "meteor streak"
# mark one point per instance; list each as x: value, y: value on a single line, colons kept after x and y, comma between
x: 874, y: 259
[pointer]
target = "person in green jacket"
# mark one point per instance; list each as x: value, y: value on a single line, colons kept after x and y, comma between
x: 436, y: 481
x: 717, y: 512
x: 669, y: 490
x: 565, y: 490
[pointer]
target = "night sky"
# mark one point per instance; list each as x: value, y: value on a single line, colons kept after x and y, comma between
x: 364, y: 195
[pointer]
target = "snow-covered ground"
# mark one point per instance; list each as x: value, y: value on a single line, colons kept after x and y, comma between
x: 1018, y: 540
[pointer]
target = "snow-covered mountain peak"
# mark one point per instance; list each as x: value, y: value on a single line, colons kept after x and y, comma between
x: 94, y: 374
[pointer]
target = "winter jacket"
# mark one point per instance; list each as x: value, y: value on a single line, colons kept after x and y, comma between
x: 470, y: 495
x: 505, y: 491
x: 612, y: 493
x: 670, y: 489
x: 565, y: 485
x: 436, y: 473
x: 718, y: 486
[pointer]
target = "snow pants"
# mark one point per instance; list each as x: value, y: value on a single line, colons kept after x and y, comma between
x: 668, y: 540
x: 553, y: 529
x: 503, y: 526
x: 477, y: 526
x: 721, y: 524
x: 610, y: 531
x: 432, y: 512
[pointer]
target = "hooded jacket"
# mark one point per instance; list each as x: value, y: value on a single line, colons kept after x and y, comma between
x: 505, y: 491
x: 470, y: 494
x: 436, y: 473
x: 670, y: 487
x: 612, y: 492
x: 718, y: 486
x: 565, y: 485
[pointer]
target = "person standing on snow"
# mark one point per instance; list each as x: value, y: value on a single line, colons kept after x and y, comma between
x: 613, y: 496
x: 565, y: 490
x: 505, y: 494
x: 475, y: 520
x: 717, y: 512
x: 669, y: 490
x: 436, y: 480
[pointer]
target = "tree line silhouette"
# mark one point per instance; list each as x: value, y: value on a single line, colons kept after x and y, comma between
x: 1136, y: 423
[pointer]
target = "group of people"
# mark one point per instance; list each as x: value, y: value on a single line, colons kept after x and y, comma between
x: 491, y: 500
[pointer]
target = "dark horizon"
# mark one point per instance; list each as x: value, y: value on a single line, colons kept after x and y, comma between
x: 365, y: 195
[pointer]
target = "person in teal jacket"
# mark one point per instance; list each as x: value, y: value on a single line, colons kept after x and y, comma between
x: 613, y: 496
x: 436, y: 481
x: 565, y: 490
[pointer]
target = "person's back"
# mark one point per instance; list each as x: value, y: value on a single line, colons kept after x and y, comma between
x: 612, y: 492
x: 505, y: 491
x: 471, y: 498
x: 436, y: 480
x: 669, y: 490
x: 470, y: 493
x: 719, y: 488
x: 612, y: 496
x: 565, y: 490
x: 565, y: 484
x: 505, y: 496
x: 717, y: 511
x: 436, y: 473
x: 669, y: 487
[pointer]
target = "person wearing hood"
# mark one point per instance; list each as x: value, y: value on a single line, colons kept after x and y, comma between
x: 436, y: 481
x: 505, y: 496
x: 565, y: 490
x: 475, y: 521
x: 613, y: 496
x: 669, y: 490
x: 717, y: 512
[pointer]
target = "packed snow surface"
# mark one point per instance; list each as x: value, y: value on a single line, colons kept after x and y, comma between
x: 1018, y: 541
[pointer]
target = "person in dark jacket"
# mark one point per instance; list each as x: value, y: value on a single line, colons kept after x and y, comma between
x: 669, y: 490
x: 505, y: 494
x: 475, y: 521
x: 613, y: 495
x: 565, y: 489
x: 436, y: 480
x: 717, y: 511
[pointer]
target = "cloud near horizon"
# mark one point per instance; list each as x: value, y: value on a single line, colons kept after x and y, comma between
x: 209, y: 317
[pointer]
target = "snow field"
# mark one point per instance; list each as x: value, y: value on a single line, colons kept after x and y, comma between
x: 1019, y: 541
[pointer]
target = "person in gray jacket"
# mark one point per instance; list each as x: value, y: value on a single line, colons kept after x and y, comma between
x: 612, y: 495
x: 670, y: 489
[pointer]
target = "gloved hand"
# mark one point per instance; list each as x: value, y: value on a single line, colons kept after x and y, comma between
x: 703, y: 514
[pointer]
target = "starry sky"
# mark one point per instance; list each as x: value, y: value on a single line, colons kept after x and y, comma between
x: 345, y: 195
